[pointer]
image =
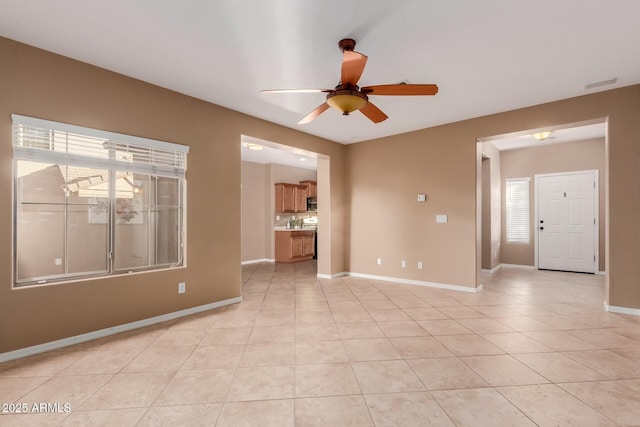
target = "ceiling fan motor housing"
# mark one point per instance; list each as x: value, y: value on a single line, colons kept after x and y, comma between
x: 347, y: 44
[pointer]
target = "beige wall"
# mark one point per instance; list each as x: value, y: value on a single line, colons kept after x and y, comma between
x: 254, y: 206
x: 290, y: 174
x: 384, y: 176
x: 552, y: 158
x: 491, y: 213
x: 41, y: 84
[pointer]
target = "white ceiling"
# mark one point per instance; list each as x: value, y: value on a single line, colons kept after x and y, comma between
x: 558, y: 136
x: 277, y: 153
x: 486, y: 56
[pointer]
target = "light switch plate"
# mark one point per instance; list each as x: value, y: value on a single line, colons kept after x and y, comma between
x: 422, y: 197
x: 442, y: 219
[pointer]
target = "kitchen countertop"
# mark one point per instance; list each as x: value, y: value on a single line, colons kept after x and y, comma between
x: 294, y: 229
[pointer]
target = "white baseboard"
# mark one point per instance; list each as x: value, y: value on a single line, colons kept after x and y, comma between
x: 257, y: 261
x: 621, y: 310
x: 493, y: 270
x: 77, y: 339
x: 418, y: 282
x: 524, y: 267
x: 332, y: 276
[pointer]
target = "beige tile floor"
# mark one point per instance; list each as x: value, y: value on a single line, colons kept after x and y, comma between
x: 533, y: 348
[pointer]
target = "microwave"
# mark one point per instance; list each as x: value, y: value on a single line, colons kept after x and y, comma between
x: 312, y: 204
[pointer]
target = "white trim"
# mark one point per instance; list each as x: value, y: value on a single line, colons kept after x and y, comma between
x: 53, y: 345
x: 524, y: 267
x: 332, y: 276
x: 601, y: 273
x: 621, y: 310
x: 418, y: 282
x: 257, y: 261
x: 493, y: 270
x: 65, y: 127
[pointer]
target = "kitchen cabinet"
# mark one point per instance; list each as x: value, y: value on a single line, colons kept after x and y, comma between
x: 294, y: 245
x: 311, y: 188
x: 290, y: 198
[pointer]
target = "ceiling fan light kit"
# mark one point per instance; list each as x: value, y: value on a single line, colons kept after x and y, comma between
x: 348, y: 97
x: 347, y: 101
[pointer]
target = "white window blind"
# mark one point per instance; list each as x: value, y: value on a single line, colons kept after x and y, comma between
x: 517, y: 210
x: 61, y: 143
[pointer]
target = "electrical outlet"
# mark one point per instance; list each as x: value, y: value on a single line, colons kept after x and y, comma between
x: 182, y: 287
x: 419, y: 265
x: 57, y: 261
x: 379, y: 261
x: 404, y: 263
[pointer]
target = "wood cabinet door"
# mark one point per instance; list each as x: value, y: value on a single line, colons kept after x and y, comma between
x: 297, y: 246
x: 300, y: 198
x: 311, y: 188
x: 307, y: 245
x: 285, y: 198
x: 289, y: 199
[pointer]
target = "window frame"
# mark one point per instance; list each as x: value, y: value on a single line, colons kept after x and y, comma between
x: 151, y: 158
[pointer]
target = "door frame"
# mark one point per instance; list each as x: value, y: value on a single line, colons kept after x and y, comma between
x: 596, y: 210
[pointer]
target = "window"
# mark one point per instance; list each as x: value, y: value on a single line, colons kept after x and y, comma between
x: 517, y: 207
x: 94, y: 203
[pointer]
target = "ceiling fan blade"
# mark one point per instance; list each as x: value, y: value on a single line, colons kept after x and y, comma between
x: 295, y: 90
x: 373, y: 113
x: 352, y: 67
x: 401, y: 89
x: 315, y: 113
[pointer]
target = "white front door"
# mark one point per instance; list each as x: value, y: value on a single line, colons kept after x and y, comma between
x: 566, y: 218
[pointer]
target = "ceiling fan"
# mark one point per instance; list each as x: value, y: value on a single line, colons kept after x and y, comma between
x: 348, y: 97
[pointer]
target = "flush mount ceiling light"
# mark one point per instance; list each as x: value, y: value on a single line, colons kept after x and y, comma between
x: 541, y: 136
x: 254, y: 147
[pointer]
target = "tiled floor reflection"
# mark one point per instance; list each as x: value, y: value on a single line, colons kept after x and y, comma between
x: 533, y: 348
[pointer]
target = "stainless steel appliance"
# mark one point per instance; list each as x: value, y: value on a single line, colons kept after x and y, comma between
x: 311, y: 223
x: 312, y: 204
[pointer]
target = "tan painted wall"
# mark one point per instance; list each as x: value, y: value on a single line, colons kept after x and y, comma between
x: 290, y: 174
x: 553, y: 158
x: 41, y: 84
x: 254, y: 205
x: 491, y: 213
x: 384, y: 176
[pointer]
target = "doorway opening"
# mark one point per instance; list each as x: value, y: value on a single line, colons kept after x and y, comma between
x: 265, y: 164
x: 566, y: 150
